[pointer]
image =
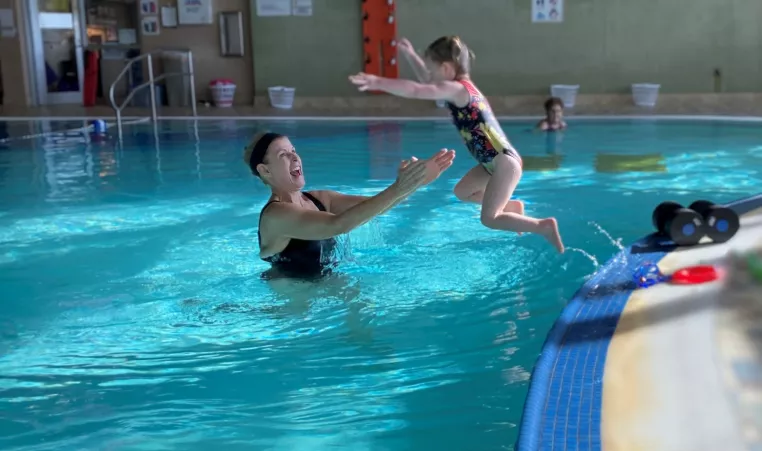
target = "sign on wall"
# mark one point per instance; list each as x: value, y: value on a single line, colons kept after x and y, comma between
x: 302, y: 7
x: 273, y: 8
x: 194, y: 12
x: 547, y: 11
x: 149, y: 7
x: 150, y: 25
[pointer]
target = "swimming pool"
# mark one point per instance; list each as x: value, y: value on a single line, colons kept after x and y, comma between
x: 133, y: 315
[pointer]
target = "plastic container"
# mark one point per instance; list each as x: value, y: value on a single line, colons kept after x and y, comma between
x: 223, y: 92
x: 281, y: 96
x: 567, y: 94
x: 645, y: 94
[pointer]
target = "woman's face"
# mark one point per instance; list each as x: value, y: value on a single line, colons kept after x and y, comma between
x: 282, y: 167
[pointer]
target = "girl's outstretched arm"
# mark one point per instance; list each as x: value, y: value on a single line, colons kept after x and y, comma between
x: 450, y: 91
x: 419, y: 67
x: 416, y: 62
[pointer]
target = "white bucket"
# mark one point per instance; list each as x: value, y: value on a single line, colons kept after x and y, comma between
x: 645, y: 94
x: 281, y: 96
x: 567, y: 94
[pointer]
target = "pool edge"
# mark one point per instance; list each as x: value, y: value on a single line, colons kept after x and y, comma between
x: 531, y: 424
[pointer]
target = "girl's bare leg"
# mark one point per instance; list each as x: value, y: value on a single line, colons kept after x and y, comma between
x: 498, y: 193
x: 471, y: 189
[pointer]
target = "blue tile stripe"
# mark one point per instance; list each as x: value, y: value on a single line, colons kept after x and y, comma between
x: 562, y: 410
x: 563, y: 406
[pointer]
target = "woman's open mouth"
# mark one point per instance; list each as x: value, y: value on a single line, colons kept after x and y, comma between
x: 296, y: 172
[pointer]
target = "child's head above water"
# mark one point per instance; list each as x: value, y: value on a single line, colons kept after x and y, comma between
x: 554, y: 109
x: 448, y: 58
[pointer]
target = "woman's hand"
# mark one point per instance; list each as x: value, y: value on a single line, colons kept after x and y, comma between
x: 435, y: 166
x: 365, y: 82
x: 410, y: 176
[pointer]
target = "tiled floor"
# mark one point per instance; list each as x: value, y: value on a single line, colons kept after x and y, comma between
x: 381, y: 105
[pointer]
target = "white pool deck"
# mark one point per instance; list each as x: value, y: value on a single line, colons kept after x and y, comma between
x: 682, y: 373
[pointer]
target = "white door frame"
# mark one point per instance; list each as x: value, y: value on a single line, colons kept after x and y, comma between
x: 36, y: 55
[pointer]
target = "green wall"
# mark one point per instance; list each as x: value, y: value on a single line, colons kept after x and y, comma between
x: 603, y: 45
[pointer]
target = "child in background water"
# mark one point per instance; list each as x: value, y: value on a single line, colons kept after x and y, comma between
x: 554, y: 115
x: 444, y: 75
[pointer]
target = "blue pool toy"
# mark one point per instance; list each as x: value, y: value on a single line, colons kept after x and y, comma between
x: 99, y: 126
x: 648, y: 275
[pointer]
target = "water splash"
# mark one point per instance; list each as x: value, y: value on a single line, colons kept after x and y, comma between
x: 587, y: 255
x: 617, y: 243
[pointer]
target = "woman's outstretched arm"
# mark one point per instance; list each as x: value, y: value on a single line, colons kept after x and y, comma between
x: 338, y: 203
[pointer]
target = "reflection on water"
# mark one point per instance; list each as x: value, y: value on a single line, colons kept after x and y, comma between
x: 553, y: 140
x: 630, y: 163
x: 541, y: 163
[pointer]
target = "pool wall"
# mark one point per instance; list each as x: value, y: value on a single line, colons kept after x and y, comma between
x: 563, y: 409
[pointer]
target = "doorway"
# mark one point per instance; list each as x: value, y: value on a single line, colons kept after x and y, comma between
x: 57, y: 57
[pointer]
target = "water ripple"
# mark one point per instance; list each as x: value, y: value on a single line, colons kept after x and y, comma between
x: 135, y: 316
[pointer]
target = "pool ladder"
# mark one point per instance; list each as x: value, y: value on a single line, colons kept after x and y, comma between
x: 151, y: 84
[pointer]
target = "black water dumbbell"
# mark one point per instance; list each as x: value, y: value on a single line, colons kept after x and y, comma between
x: 721, y: 223
x: 685, y: 227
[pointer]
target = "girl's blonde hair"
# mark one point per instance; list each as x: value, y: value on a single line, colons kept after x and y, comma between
x: 451, y: 49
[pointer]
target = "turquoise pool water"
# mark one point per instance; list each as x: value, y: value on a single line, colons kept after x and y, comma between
x: 133, y: 316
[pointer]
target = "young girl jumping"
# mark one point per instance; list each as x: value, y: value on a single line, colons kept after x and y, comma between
x: 444, y: 75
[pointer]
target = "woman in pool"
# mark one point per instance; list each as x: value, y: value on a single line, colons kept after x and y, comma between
x: 554, y: 115
x: 444, y: 75
x: 297, y: 229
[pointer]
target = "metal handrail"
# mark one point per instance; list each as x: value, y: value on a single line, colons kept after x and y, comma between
x: 151, y: 84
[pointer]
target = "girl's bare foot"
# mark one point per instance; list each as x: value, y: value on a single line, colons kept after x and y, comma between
x: 515, y: 206
x: 549, y: 230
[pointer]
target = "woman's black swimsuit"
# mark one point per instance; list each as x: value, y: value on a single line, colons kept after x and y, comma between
x: 301, y: 258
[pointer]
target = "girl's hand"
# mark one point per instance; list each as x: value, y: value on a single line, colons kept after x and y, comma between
x: 404, y: 46
x: 364, y: 82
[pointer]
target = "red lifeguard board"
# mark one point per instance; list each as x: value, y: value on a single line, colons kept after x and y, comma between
x: 379, y: 32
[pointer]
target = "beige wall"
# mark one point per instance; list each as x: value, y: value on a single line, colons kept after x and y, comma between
x: 204, y: 41
x: 316, y: 54
x: 14, y: 71
x: 604, y: 45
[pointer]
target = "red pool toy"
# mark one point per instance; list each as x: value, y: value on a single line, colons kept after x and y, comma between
x: 695, y: 275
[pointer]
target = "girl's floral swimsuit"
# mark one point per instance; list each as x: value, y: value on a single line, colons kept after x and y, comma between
x: 479, y: 128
